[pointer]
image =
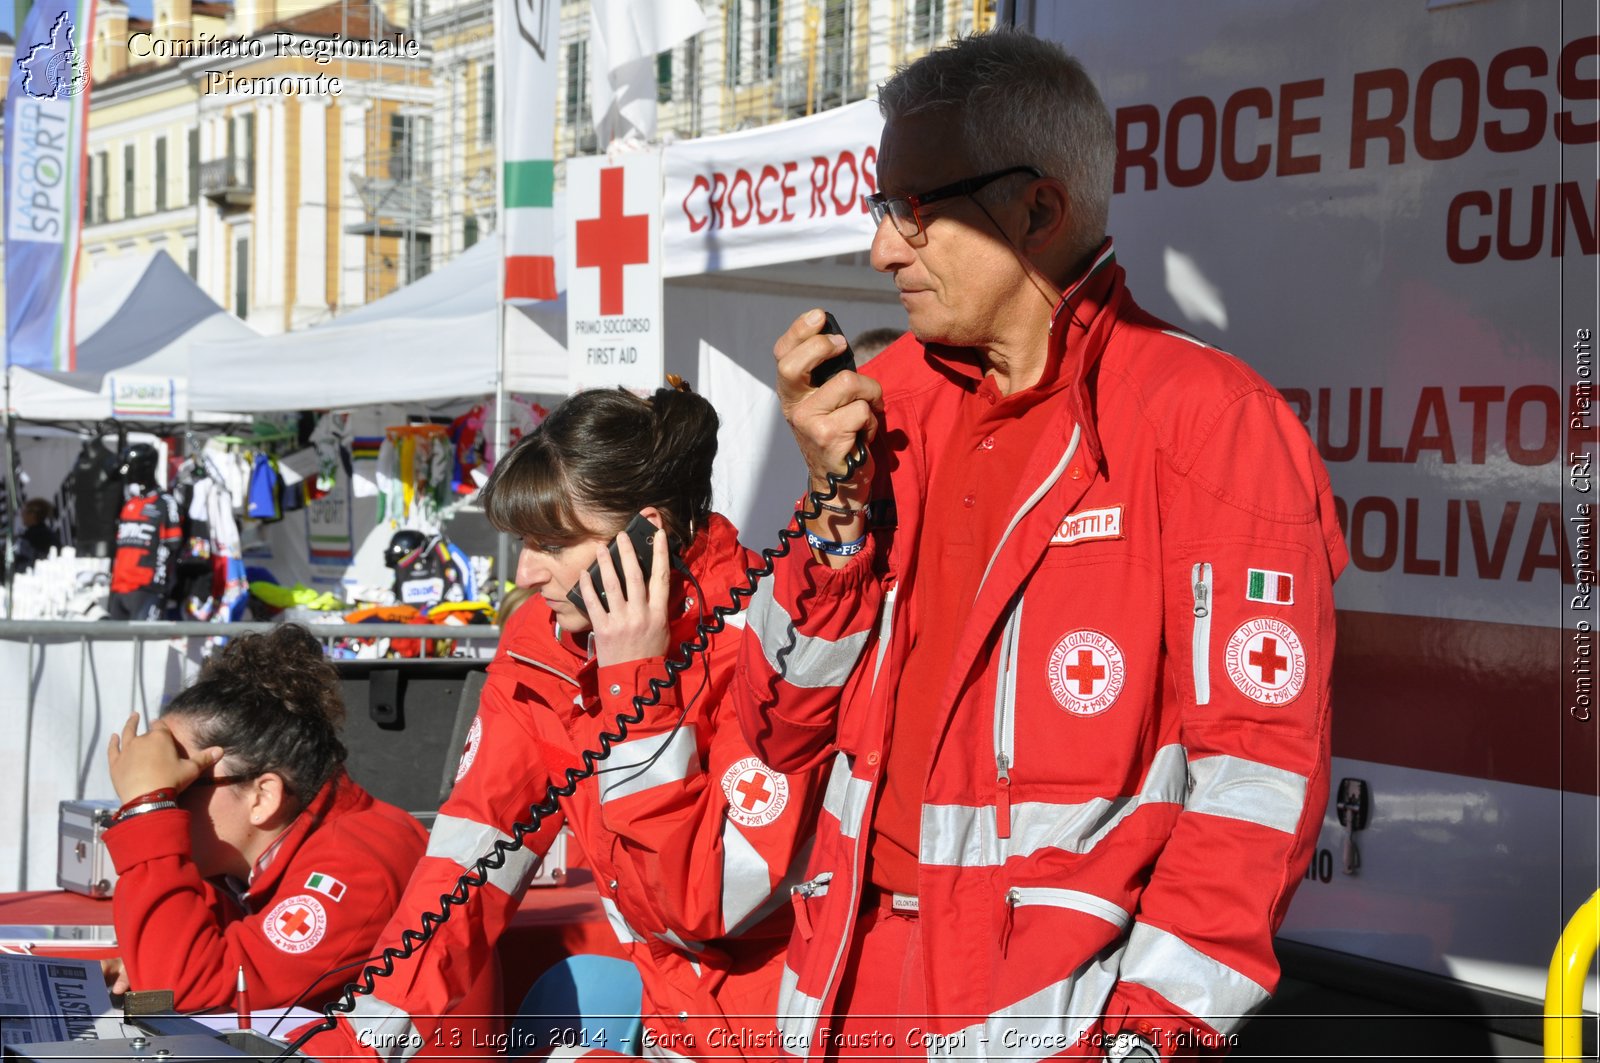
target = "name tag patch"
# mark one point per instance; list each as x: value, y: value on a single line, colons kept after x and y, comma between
x: 1087, y: 525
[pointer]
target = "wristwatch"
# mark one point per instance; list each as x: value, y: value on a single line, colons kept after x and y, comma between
x: 1129, y: 1047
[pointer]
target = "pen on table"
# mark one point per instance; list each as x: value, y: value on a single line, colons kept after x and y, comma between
x: 241, y: 1001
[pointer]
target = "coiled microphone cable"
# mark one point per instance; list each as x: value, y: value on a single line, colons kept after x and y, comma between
x: 477, y: 875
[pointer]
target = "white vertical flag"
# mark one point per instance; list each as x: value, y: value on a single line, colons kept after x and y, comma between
x: 624, y: 39
x: 527, y: 41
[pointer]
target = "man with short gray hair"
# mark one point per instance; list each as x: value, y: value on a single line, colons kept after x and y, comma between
x: 1065, y: 635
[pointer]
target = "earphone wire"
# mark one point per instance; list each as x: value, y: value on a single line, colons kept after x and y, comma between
x: 476, y: 876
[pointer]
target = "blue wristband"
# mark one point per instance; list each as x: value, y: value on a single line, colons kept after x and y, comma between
x: 837, y: 549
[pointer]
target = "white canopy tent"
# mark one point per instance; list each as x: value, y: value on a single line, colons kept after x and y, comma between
x: 138, y: 316
x: 432, y: 339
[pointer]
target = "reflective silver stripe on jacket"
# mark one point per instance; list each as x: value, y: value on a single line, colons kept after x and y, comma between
x: 777, y: 895
x: 845, y: 799
x: 964, y: 836
x: 1247, y: 790
x: 800, y: 660
x: 630, y: 769
x: 797, y: 1015
x: 1205, y: 988
x: 619, y: 926
x: 384, y: 1028
x: 464, y: 841
x: 1042, y: 1024
x: 746, y: 879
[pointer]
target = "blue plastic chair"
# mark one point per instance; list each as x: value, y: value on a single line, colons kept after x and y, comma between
x: 582, y: 1002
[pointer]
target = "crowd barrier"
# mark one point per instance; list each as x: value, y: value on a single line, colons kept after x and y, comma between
x: 66, y: 686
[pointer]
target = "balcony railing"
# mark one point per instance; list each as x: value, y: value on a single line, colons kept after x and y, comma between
x: 228, y: 182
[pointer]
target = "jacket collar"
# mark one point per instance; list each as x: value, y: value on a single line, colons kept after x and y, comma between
x: 1079, y: 325
x: 338, y: 795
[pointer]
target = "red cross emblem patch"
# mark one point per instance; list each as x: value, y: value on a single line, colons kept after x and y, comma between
x: 756, y: 794
x: 1266, y: 661
x: 297, y: 924
x: 469, y: 752
x: 1086, y: 672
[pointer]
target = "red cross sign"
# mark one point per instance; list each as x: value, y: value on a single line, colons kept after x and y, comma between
x: 753, y: 791
x: 296, y: 925
x: 1086, y: 672
x: 1266, y: 660
x: 614, y: 270
x: 612, y: 241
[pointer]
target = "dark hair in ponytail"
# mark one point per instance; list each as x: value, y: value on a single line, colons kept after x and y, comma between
x: 272, y: 703
x: 611, y: 452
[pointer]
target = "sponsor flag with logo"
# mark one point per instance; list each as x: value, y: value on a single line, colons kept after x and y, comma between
x: 527, y: 44
x: 46, y: 122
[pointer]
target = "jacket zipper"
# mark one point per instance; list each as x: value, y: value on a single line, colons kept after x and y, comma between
x: 1005, y: 720
x: 1051, y: 897
x: 1202, y: 633
x: 802, y: 892
x: 885, y: 632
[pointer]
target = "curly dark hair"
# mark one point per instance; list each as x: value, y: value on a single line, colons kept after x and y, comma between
x: 272, y: 702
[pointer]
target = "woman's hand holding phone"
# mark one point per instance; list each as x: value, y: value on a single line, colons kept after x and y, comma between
x: 632, y: 624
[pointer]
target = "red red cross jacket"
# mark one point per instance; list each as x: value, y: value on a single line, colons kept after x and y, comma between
x: 691, y: 837
x: 1130, y: 758
x: 315, y: 901
x: 148, y: 535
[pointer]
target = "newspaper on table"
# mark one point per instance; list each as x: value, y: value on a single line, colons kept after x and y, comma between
x: 47, y: 998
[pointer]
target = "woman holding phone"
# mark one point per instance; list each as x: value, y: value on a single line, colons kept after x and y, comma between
x: 691, y: 837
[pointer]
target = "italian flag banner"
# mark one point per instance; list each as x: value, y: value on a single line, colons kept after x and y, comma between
x: 527, y: 43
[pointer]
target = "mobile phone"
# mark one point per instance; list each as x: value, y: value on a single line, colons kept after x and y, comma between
x: 845, y: 359
x: 642, y: 534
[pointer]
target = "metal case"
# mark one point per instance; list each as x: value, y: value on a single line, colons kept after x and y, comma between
x: 83, y: 864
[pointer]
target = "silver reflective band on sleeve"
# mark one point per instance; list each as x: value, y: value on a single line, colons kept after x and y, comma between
x: 464, y: 841
x: 800, y: 660
x: 676, y: 753
x: 385, y: 1029
x: 1073, y: 900
x: 845, y: 799
x: 1041, y: 1025
x: 964, y: 836
x: 1205, y: 988
x: 1247, y: 790
x: 746, y: 880
x: 797, y: 1015
x: 619, y: 926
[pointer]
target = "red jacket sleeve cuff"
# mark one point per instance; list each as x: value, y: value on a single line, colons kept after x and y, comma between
x: 148, y: 836
x: 620, y: 683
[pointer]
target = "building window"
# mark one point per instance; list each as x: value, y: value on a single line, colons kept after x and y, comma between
x: 752, y: 40
x: 128, y: 160
x: 161, y: 173
x: 194, y: 165
x: 835, y: 38
x: 926, y: 24
x: 486, y: 105
x: 664, y: 77
x: 241, y: 278
x: 419, y: 256
x: 194, y: 263
x: 399, y: 147
x: 579, y: 120
x: 469, y: 231
x: 96, y: 202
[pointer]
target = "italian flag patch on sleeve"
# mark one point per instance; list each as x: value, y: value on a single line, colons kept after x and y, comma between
x: 1274, y: 588
x: 326, y: 885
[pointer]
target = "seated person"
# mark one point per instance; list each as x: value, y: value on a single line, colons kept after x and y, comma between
x: 242, y: 840
x: 37, y: 538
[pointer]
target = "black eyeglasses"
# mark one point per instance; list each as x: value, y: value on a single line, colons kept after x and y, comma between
x: 903, y: 210
x: 224, y: 780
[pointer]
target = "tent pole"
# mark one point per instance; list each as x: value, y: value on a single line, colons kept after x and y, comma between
x: 11, y: 492
x: 503, y: 565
